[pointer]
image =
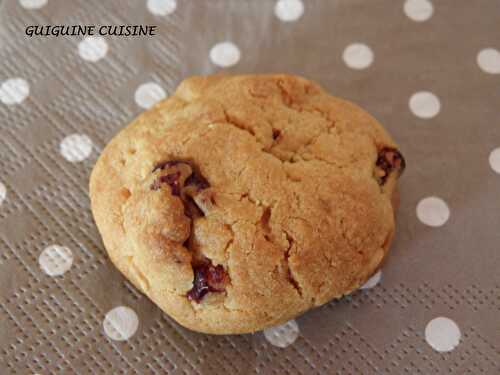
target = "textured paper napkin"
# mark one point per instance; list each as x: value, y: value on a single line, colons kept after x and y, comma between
x: 429, y: 70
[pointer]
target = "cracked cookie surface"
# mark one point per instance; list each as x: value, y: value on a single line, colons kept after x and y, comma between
x: 242, y: 201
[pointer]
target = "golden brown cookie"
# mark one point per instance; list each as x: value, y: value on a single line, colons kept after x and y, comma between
x: 242, y: 201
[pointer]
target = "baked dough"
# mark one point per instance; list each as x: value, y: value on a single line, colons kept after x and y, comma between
x: 240, y: 202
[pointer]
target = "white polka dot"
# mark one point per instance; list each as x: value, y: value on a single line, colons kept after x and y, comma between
x: 433, y: 211
x: 358, y: 56
x: 488, y: 60
x: 93, y: 48
x: 33, y: 4
x: 283, y: 335
x: 76, y: 147
x: 3, y: 193
x: 289, y: 10
x: 424, y: 104
x: 443, y: 334
x: 55, y: 260
x: 418, y: 10
x: 120, y: 323
x: 148, y: 94
x: 225, y: 54
x: 495, y: 160
x: 162, y: 7
x: 372, y: 281
x: 14, y: 91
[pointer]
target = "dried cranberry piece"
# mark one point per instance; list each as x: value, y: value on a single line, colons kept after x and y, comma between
x: 186, y: 182
x: 194, y: 180
x: 217, y: 278
x: 200, y: 285
x: 172, y: 180
x: 207, y: 278
x: 388, y: 160
x: 276, y: 133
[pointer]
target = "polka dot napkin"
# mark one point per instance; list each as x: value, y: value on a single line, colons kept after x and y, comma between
x: 427, y: 69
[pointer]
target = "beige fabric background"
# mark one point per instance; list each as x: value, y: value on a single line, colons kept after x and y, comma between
x: 54, y: 324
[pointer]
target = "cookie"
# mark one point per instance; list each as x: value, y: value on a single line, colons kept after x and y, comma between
x: 240, y: 202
